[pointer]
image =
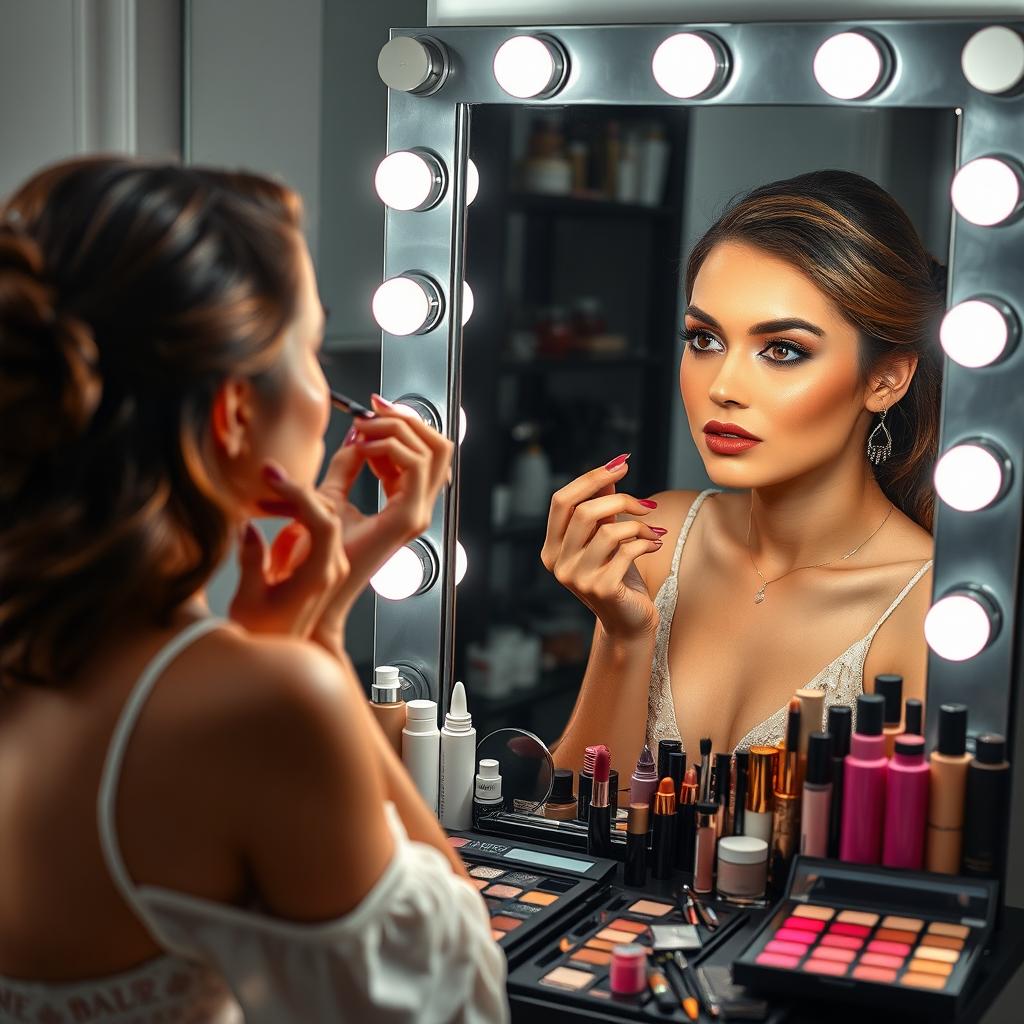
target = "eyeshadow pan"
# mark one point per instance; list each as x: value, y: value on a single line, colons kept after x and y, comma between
x: 942, y: 942
x: 486, y: 871
x: 957, y: 931
x: 790, y: 948
x: 825, y: 967
x: 567, y: 978
x: 457, y: 841
x: 841, y: 956
x: 944, y: 956
x: 592, y: 956
x: 930, y: 967
x: 842, y: 941
x: 543, y: 899
x: 522, y: 909
x: 914, y: 979
x: 856, y: 930
x: 611, y: 935
x: 777, y: 960
x: 816, y: 912
x: 602, y: 944
x: 859, y: 917
x: 478, y: 883
x: 522, y: 878
x: 622, y: 924
x: 496, y: 934
x: 507, y: 923
x: 895, y: 935
x: 911, y: 924
x: 866, y: 973
x: 896, y: 948
x: 806, y: 924
x: 795, y: 935
x: 554, y: 884
x: 650, y: 908
x: 502, y: 891
x: 881, y: 960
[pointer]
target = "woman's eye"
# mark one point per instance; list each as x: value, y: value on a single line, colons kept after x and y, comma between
x: 700, y: 341
x: 789, y: 353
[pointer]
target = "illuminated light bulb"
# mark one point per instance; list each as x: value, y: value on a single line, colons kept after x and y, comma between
x: 530, y: 67
x: 690, y: 64
x: 468, y: 303
x: 409, y: 571
x: 472, y: 181
x: 462, y: 424
x: 961, y: 624
x: 461, y: 562
x: 408, y: 304
x: 970, y: 476
x: 410, y: 180
x: 993, y: 60
x: 986, y: 191
x: 977, y: 332
x: 851, y: 65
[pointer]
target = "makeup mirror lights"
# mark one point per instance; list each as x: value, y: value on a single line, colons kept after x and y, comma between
x: 993, y: 60
x: 972, y: 475
x: 410, y: 180
x: 962, y: 623
x: 689, y: 65
x: 411, y: 570
x: 531, y: 67
x: 987, y: 190
x: 853, y: 65
x: 409, y: 304
x: 979, y: 332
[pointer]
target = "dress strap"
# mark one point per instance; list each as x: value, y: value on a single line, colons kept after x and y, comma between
x: 899, y: 597
x: 687, y: 523
x: 106, y: 804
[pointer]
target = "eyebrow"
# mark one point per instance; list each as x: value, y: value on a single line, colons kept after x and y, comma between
x: 789, y: 323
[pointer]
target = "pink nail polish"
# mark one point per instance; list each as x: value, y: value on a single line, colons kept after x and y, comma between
x: 617, y: 461
x: 273, y: 474
x: 349, y: 437
x: 647, y: 503
x: 251, y: 534
x: 383, y: 401
x: 660, y: 530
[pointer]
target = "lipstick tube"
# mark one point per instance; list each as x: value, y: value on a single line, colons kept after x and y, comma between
x: 634, y: 867
x: 817, y: 796
x: 757, y: 820
x: 686, y: 821
x: 663, y: 832
x: 945, y: 833
x: 906, y: 804
x: 644, y: 780
x: 599, y: 820
x: 864, y: 785
x: 704, y: 853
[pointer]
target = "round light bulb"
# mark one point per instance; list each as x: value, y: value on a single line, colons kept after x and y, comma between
x: 958, y: 626
x: 461, y: 562
x: 468, y: 303
x: 969, y: 477
x: 993, y: 59
x: 986, y: 191
x: 408, y: 304
x: 688, y: 64
x: 976, y: 333
x: 472, y: 181
x: 462, y: 424
x: 400, y: 576
x: 849, y: 66
x: 528, y: 67
x: 409, y: 180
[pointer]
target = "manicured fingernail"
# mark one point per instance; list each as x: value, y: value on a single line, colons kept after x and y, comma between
x: 383, y: 401
x: 272, y: 474
x: 617, y: 461
x: 250, y: 534
x: 659, y: 530
x: 647, y: 503
x: 349, y: 437
x: 657, y: 543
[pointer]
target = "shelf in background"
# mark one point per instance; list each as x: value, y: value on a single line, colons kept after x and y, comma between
x: 596, y: 206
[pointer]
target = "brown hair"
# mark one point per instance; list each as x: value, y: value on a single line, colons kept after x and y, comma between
x: 854, y: 241
x: 129, y: 292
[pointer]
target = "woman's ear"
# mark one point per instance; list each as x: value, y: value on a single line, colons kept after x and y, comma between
x: 231, y: 418
x: 891, y: 381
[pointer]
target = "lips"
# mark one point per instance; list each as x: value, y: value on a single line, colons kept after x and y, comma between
x: 726, y: 429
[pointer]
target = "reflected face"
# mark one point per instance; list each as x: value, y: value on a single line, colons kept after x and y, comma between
x: 290, y: 426
x: 767, y: 352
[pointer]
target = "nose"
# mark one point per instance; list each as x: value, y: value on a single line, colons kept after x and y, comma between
x: 727, y: 387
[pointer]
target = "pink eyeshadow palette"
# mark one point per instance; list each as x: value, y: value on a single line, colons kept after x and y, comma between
x: 835, y: 926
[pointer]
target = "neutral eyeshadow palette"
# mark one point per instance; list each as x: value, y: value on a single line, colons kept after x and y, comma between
x: 526, y: 887
x: 894, y: 939
x: 574, y: 967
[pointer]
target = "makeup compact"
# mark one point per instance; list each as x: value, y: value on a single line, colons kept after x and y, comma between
x: 889, y: 938
x: 526, y: 887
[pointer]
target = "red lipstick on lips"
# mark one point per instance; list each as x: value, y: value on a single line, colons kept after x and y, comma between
x: 728, y: 438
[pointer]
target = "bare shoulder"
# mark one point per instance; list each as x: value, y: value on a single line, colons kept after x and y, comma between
x: 670, y: 514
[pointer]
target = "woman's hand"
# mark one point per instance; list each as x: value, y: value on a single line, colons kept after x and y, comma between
x: 594, y: 556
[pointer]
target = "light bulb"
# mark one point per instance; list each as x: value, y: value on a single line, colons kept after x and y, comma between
x: 410, y: 180
x: 530, y: 67
x: 850, y: 66
x: 472, y: 181
x: 986, y: 191
x: 977, y: 332
x: 993, y: 60
x: 690, y: 64
x: 969, y: 476
x: 462, y: 424
x: 408, y: 304
x: 960, y: 625
x: 410, y: 570
x: 468, y: 303
x: 461, y: 562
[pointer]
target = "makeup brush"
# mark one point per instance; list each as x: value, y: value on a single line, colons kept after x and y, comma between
x: 705, y: 770
x: 351, y: 406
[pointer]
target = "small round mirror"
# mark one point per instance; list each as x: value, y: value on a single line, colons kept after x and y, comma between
x: 525, y: 765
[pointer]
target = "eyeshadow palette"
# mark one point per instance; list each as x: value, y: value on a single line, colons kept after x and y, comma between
x: 526, y: 887
x: 573, y: 968
x: 895, y: 939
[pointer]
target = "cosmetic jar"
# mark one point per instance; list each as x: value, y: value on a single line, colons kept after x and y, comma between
x: 742, y: 868
x: 629, y: 970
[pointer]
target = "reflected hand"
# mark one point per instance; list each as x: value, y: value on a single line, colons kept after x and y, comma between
x: 593, y: 555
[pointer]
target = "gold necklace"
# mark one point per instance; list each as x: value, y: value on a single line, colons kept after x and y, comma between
x: 759, y: 596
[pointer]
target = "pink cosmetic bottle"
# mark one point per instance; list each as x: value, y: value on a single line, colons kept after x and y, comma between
x: 906, y: 804
x: 864, y: 772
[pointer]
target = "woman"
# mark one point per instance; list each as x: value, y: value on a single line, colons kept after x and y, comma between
x: 199, y: 819
x: 809, y: 340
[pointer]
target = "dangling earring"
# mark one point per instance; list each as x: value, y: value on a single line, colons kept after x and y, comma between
x: 879, y: 452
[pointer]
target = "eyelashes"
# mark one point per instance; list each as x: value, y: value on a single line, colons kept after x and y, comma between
x: 689, y: 336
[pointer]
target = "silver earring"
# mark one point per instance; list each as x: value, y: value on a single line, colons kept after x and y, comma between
x: 878, y: 452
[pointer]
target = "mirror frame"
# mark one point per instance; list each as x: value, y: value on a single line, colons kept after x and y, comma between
x: 771, y: 64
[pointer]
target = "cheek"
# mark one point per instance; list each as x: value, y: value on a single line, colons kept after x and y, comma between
x: 818, y: 396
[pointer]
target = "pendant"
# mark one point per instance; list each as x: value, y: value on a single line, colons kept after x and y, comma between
x: 759, y: 596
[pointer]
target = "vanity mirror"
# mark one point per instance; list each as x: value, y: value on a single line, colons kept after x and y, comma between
x: 588, y: 145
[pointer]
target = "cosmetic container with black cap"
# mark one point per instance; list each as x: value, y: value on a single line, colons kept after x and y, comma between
x: 864, y: 773
x: 890, y: 686
x: 947, y: 784
x: 987, y: 808
x: 840, y: 723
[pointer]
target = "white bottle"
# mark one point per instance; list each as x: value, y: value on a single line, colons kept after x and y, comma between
x: 487, y: 798
x: 458, y: 756
x: 758, y: 824
x: 421, y: 748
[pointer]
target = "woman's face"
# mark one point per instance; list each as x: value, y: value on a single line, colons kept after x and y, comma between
x: 794, y: 384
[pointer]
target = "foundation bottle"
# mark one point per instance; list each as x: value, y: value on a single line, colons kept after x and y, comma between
x: 987, y: 808
x: 891, y: 688
x: 948, y: 780
x: 561, y: 804
x: 757, y: 819
x: 387, y: 707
